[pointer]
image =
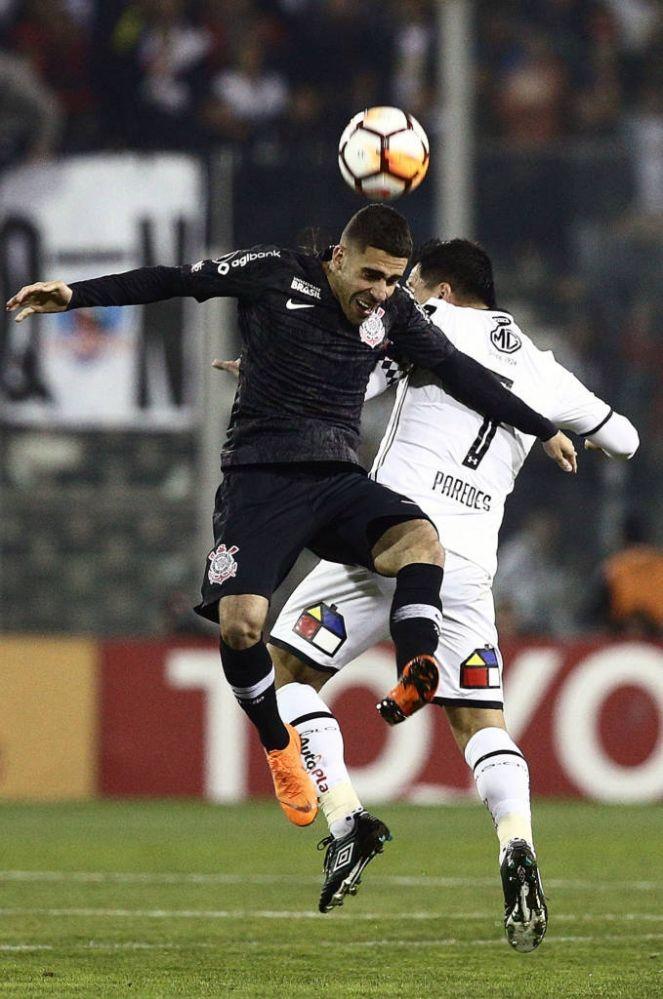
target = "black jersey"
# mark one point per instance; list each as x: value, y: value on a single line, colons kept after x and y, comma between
x: 304, y: 367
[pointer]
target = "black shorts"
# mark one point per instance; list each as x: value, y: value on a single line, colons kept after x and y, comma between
x: 265, y: 515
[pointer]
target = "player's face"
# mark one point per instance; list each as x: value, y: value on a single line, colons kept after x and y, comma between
x: 363, y: 279
x: 423, y: 292
x: 416, y: 285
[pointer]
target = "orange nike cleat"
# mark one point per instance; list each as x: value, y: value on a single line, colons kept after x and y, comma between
x: 416, y: 687
x: 294, y: 789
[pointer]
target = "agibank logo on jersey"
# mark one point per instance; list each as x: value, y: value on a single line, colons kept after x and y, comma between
x: 321, y: 626
x: 481, y: 670
x: 372, y: 331
x: 225, y: 263
x: 222, y: 564
x: 503, y: 337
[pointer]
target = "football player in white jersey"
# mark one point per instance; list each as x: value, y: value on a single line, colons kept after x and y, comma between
x: 459, y: 468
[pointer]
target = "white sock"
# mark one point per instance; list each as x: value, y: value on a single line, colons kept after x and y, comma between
x: 322, y: 751
x: 502, y: 779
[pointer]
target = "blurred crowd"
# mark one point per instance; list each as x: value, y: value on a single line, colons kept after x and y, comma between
x: 569, y: 179
x: 550, y: 69
x: 190, y: 73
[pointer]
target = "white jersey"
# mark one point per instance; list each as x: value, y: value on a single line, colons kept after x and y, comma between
x: 458, y: 466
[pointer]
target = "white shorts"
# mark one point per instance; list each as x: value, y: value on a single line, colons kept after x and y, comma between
x: 338, y: 612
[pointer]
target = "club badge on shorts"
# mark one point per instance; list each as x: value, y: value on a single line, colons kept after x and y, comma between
x: 481, y: 670
x: 322, y: 626
x: 222, y: 564
x: 372, y: 331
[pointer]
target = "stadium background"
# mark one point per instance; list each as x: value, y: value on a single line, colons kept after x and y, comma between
x: 159, y: 130
x: 137, y: 131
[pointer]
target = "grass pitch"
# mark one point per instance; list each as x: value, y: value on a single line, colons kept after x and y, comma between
x: 112, y: 899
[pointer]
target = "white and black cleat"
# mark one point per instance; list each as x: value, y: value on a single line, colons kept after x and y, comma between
x: 347, y: 857
x: 525, y: 911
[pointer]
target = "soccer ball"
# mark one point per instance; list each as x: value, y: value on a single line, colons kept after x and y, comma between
x: 383, y: 153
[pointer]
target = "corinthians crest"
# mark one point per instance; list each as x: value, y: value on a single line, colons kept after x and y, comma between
x: 372, y: 331
x: 222, y: 564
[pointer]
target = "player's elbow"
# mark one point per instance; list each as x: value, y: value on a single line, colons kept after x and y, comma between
x: 628, y: 439
x: 633, y: 444
x: 618, y: 438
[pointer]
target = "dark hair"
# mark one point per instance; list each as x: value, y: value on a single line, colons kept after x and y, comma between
x: 382, y: 227
x: 463, y: 264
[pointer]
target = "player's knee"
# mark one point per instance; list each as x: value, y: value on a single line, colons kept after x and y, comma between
x: 431, y: 550
x: 406, y: 544
x: 240, y: 634
x: 241, y: 620
x: 240, y: 630
x: 422, y: 544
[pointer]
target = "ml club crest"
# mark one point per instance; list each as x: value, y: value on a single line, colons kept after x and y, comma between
x: 503, y: 337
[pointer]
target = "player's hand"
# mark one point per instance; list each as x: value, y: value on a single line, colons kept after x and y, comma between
x: 562, y: 451
x: 591, y: 446
x: 231, y: 366
x: 45, y: 296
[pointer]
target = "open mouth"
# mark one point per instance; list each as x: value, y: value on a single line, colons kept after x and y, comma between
x: 365, y: 306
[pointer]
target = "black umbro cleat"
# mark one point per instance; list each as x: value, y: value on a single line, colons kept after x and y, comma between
x: 416, y: 687
x: 347, y: 857
x: 525, y: 911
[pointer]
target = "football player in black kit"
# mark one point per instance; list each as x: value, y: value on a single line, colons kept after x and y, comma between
x: 313, y: 328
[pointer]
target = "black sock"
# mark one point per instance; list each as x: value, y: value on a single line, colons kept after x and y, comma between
x: 250, y: 673
x: 416, y: 612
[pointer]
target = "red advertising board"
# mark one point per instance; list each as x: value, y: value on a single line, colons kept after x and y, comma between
x: 152, y: 733
x: 587, y: 715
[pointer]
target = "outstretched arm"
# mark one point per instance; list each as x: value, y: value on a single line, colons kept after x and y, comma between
x: 576, y: 408
x: 470, y: 382
x: 137, y: 287
x: 240, y: 274
x: 45, y: 296
x: 477, y: 387
x: 617, y: 437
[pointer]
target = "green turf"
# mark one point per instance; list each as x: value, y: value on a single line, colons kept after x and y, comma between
x: 425, y: 923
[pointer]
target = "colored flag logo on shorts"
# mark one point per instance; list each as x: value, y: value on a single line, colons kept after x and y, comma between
x: 481, y: 669
x: 321, y: 626
x: 222, y: 564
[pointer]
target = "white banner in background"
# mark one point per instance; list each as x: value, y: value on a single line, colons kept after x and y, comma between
x: 79, y: 218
